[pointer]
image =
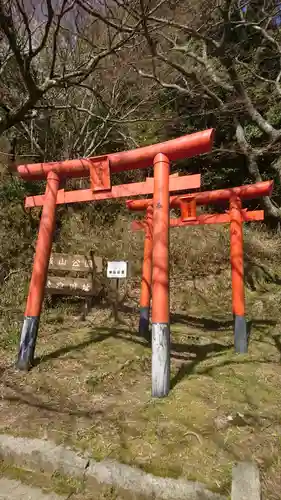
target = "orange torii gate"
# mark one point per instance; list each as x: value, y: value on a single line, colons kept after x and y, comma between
x: 153, y: 263
x: 99, y: 170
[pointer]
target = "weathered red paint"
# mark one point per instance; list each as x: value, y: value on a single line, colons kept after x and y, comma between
x: 100, y: 176
x: 147, y: 260
x: 201, y: 219
x: 247, y: 192
x: 176, y: 149
x: 121, y: 191
x: 188, y: 208
x: 236, y: 256
x: 43, y: 248
x: 160, y: 272
x: 235, y: 217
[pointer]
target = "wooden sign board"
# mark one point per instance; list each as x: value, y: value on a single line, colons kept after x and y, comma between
x: 71, y: 286
x: 79, y: 263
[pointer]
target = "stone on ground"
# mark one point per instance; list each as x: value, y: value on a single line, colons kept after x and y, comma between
x: 245, y: 482
x: 15, y: 490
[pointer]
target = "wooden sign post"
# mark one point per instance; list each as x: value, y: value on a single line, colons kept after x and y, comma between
x: 116, y: 271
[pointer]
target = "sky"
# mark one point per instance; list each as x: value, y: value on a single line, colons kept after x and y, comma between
x: 39, y: 7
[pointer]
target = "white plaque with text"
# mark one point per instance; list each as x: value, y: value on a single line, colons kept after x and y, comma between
x: 117, y: 269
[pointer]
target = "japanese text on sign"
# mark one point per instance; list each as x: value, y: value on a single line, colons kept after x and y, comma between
x: 117, y: 269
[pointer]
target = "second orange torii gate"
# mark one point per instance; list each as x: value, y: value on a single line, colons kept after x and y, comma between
x: 235, y: 217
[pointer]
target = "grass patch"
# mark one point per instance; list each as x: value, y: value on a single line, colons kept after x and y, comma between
x: 91, y: 390
x: 91, y: 386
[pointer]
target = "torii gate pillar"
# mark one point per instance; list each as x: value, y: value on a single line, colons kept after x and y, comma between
x: 39, y: 275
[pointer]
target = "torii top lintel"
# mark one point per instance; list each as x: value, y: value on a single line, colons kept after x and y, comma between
x: 176, y: 149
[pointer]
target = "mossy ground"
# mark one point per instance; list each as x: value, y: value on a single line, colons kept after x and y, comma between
x: 91, y: 389
x: 91, y: 386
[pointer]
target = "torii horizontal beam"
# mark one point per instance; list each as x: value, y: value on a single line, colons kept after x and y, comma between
x: 176, y: 149
x: 247, y: 192
x: 119, y: 191
x: 202, y: 219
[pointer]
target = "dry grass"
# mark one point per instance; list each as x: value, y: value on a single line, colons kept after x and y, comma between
x: 91, y: 388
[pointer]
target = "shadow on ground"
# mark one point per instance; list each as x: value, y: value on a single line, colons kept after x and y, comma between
x: 189, y: 354
x: 120, y: 413
x: 214, y: 325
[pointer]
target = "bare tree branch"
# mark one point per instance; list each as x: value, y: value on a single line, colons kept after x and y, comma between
x: 257, y: 118
x: 96, y: 14
x: 32, y: 139
x: 72, y: 73
x: 172, y: 86
x: 10, y: 31
x: 27, y: 26
x: 253, y: 168
x: 48, y: 24
x: 186, y: 29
